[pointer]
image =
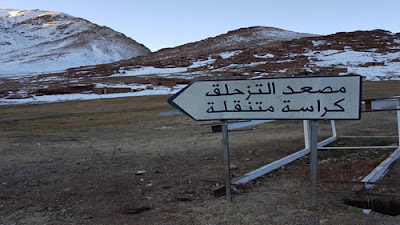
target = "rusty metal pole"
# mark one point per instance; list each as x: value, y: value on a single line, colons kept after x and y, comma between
x: 225, y: 142
x: 313, y: 161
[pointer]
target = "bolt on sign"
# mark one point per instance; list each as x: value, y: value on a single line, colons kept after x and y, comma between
x: 320, y: 98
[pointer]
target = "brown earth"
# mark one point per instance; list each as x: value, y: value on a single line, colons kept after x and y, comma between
x: 118, y: 161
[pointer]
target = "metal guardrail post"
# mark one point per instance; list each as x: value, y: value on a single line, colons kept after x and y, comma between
x: 285, y: 160
x: 333, y: 125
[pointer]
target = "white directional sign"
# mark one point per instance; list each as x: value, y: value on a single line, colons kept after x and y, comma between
x: 325, y: 97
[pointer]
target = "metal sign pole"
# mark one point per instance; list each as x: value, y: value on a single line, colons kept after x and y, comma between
x: 313, y: 161
x: 225, y: 142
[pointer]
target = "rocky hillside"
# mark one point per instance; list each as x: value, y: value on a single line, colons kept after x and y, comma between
x: 236, y: 39
x: 37, y: 41
x: 375, y: 55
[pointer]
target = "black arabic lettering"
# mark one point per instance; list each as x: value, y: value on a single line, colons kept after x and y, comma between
x: 308, y: 89
x: 259, y: 107
x: 341, y: 109
x: 251, y: 108
x: 302, y: 109
x: 319, y: 105
x: 227, y: 89
x: 237, y: 92
x: 225, y: 106
x: 211, y: 109
x: 237, y: 107
x: 217, y: 91
x: 326, y: 90
x: 271, y: 90
x: 286, y: 108
x: 311, y: 108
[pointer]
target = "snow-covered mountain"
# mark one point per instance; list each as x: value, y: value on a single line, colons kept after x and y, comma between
x: 41, y: 41
x: 255, y: 52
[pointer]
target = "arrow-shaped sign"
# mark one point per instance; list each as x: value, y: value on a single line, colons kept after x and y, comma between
x: 324, y: 97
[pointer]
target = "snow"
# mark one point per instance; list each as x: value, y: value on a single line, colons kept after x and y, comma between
x: 201, y: 63
x: 238, y: 66
x: 283, y: 70
x: 318, y: 43
x: 75, y: 97
x: 266, y: 56
x: 56, y: 44
x: 227, y: 55
x: 353, y: 59
x: 376, y: 73
x: 349, y: 57
x: 13, y: 13
x: 150, y: 70
x: 267, y: 33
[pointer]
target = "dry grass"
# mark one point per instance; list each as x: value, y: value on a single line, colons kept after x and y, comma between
x: 75, y: 163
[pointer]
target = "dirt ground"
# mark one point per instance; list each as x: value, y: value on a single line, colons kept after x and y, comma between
x: 119, y: 161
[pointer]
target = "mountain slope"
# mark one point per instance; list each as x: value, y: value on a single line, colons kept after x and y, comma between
x: 39, y: 41
x: 237, y: 39
x: 375, y: 55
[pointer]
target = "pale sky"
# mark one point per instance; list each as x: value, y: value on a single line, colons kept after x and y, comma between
x: 169, y: 23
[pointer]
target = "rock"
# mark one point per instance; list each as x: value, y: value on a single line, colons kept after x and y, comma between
x: 184, y: 199
x: 140, y: 172
x: 135, y: 210
x: 87, y: 217
x: 325, y: 161
x: 41, y: 209
x: 323, y: 221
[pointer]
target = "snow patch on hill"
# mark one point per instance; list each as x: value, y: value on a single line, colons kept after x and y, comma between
x: 381, y: 64
x: 160, y: 90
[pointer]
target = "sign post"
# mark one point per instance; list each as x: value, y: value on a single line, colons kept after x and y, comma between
x: 313, y: 160
x: 287, y: 98
x: 225, y: 142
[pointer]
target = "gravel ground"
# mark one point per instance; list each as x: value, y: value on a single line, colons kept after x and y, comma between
x: 119, y: 161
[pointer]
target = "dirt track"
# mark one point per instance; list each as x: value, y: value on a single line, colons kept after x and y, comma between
x: 119, y: 161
